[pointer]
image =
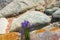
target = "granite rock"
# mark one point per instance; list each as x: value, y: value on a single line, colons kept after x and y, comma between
x: 3, y: 25
x: 17, y: 6
x: 32, y: 16
x: 3, y: 3
x: 56, y: 14
x: 51, y: 10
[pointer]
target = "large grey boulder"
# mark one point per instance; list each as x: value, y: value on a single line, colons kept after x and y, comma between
x: 54, y: 3
x: 56, y: 14
x: 4, y: 3
x: 32, y: 16
x: 18, y: 6
x: 51, y: 10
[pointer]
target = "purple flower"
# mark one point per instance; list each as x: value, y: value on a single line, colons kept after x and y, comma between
x: 25, y: 35
x: 25, y: 24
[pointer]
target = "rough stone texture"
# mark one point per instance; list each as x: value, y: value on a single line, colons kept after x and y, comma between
x: 56, y: 14
x: 57, y: 4
x: 3, y: 3
x: 10, y: 36
x: 3, y: 25
x: 18, y: 6
x: 50, y: 3
x: 48, y: 34
x: 51, y: 10
x: 32, y: 16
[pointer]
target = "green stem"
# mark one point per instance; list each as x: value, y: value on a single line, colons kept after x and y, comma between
x: 27, y: 34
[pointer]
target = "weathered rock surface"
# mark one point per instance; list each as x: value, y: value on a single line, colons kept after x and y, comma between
x: 51, y: 10
x: 3, y: 25
x: 50, y: 3
x: 3, y: 3
x: 56, y: 14
x: 32, y: 16
x: 18, y: 6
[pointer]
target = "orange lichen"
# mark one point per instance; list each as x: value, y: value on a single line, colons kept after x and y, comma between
x: 54, y: 29
x: 9, y: 36
x: 40, y: 31
x: 9, y: 25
